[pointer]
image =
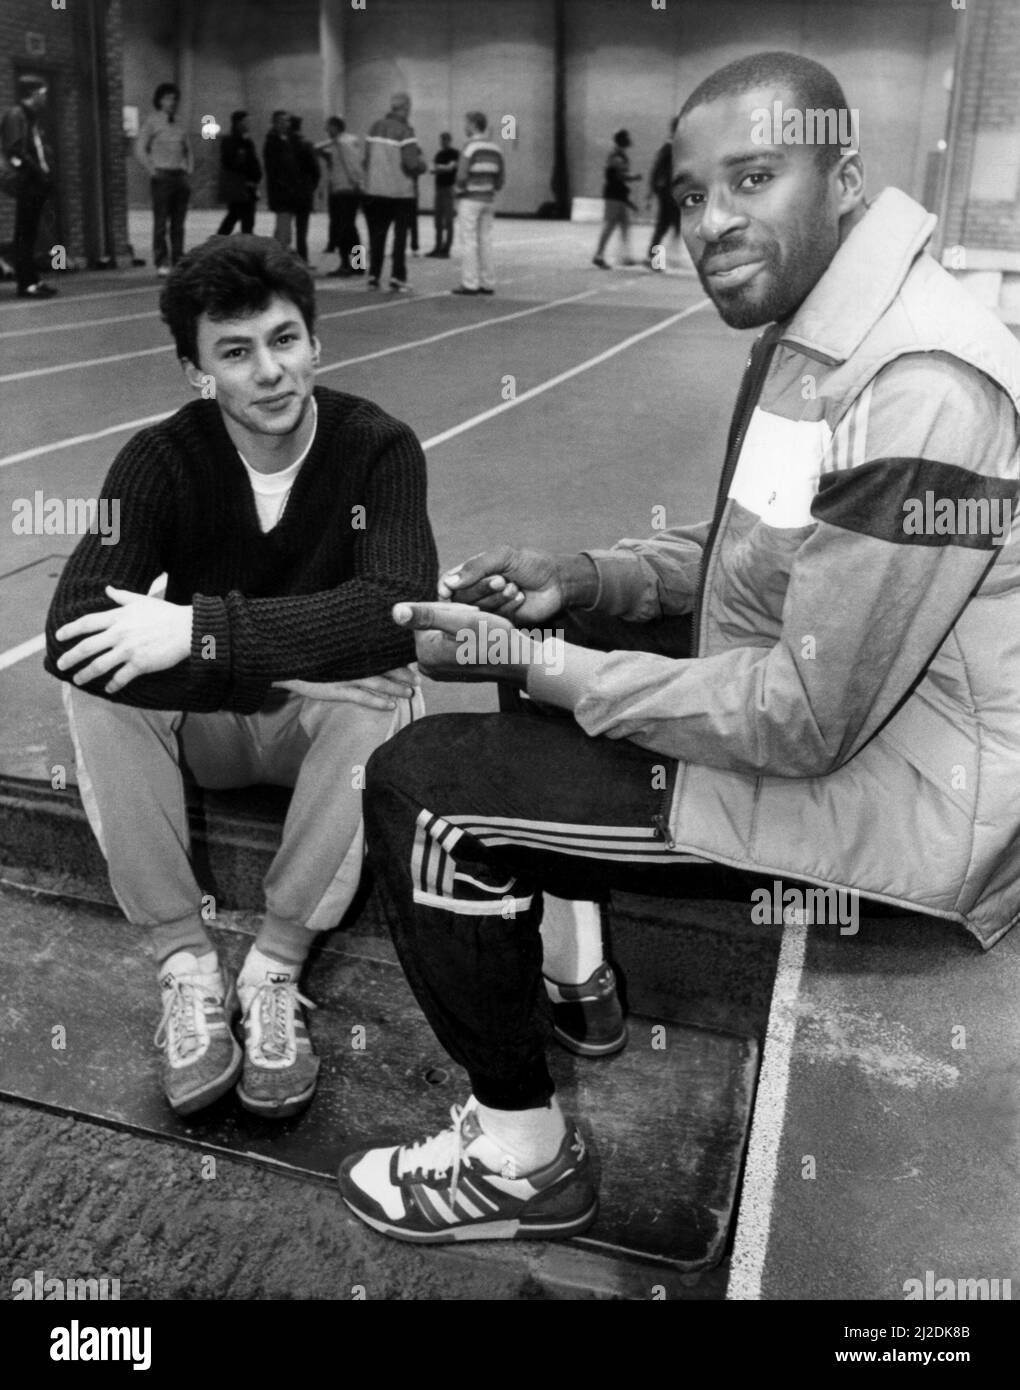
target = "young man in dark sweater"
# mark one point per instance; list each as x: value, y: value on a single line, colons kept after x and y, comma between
x: 288, y: 519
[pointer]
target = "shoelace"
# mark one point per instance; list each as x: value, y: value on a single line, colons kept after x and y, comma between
x: 276, y: 1002
x: 178, y: 1027
x: 441, y: 1153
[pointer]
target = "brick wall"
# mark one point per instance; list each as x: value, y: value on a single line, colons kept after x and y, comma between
x: 36, y: 37
x: 988, y: 117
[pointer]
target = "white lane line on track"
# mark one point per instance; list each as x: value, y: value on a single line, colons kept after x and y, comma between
x: 41, y: 449
x: 22, y: 651
x: 169, y: 347
x: 36, y: 329
x: 154, y: 314
x: 757, y: 1195
x: 29, y: 648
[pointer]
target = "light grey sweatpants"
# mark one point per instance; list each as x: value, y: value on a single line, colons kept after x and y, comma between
x: 129, y: 777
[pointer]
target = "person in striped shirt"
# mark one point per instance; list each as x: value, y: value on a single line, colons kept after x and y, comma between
x: 481, y: 173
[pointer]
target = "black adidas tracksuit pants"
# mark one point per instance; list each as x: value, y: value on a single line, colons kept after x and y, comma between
x: 469, y: 817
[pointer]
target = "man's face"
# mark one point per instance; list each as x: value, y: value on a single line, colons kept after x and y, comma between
x: 263, y: 366
x: 281, y: 122
x: 761, y: 222
x: 168, y: 103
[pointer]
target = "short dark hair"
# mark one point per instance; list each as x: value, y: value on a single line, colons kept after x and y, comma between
x: 228, y: 277
x: 165, y: 89
x: 810, y: 84
x: 478, y: 120
x: 236, y: 117
x: 337, y: 122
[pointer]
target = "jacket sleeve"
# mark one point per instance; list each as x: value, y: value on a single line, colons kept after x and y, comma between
x: 345, y: 632
x: 654, y: 578
x: 139, y: 494
x: 871, y: 594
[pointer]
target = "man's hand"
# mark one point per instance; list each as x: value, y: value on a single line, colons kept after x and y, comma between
x: 373, y: 692
x: 141, y: 635
x: 455, y: 642
x: 526, y: 586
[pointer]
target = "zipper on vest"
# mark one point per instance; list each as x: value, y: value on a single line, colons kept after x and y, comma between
x: 661, y: 823
x: 750, y: 390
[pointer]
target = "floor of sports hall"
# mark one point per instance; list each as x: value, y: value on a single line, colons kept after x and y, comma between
x: 561, y: 412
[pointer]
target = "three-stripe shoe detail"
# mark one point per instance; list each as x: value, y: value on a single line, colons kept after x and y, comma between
x: 459, y: 1185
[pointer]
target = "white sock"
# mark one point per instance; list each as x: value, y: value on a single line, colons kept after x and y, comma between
x: 187, y: 963
x: 571, y: 940
x: 531, y: 1137
x: 259, y: 967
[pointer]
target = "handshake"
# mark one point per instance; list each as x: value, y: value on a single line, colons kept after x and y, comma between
x: 476, y: 630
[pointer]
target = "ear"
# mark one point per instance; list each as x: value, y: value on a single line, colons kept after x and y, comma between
x: 196, y: 378
x: 850, y: 182
x: 316, y: 350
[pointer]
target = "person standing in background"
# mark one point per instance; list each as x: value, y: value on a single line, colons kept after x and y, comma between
x: 393, y: 161
x: 342, y: 156
x: 164, y: 151
x: 616, y: 192
x: 444, y: 166
x: 308, y: 181
x: 481, y: 173
x: 667, y: 217
x: 240, y: 175
x: 30, y: 173
x: 282, y: 192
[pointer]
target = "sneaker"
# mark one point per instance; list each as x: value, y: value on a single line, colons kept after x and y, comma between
x: 483, y: 290
x: 430, y: 255
x: 280, y: 1068
x: 602, y: 265
x: 588, y: 1018
x: 202, y: 1059
x: 162, y: 271
x: 400, y: 287
x: 37, y: 291
x: 459, y: 1185
x: 463, y: 289
x: 373, y: 282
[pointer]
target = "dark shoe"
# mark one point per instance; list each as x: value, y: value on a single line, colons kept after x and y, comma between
x: 602, y: 265
x: 463, y: 289
x: 400, y: 287
x: 588, y: 1018
x: 483, y: 290
x: 459, y: 1185
x: 430, y: 254
x: 39, y: 291
x: 342, y: 272
x: 373, y: 283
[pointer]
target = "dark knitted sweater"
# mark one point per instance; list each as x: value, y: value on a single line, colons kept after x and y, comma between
x: 308, y: 600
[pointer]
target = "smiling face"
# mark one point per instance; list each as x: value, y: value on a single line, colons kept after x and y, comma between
x: 263, y: 366
x: 761, y: 222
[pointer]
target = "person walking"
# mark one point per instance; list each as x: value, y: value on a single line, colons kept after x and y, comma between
x: 616, y: 193
x: 393, y: 161
x: 667, y: 217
